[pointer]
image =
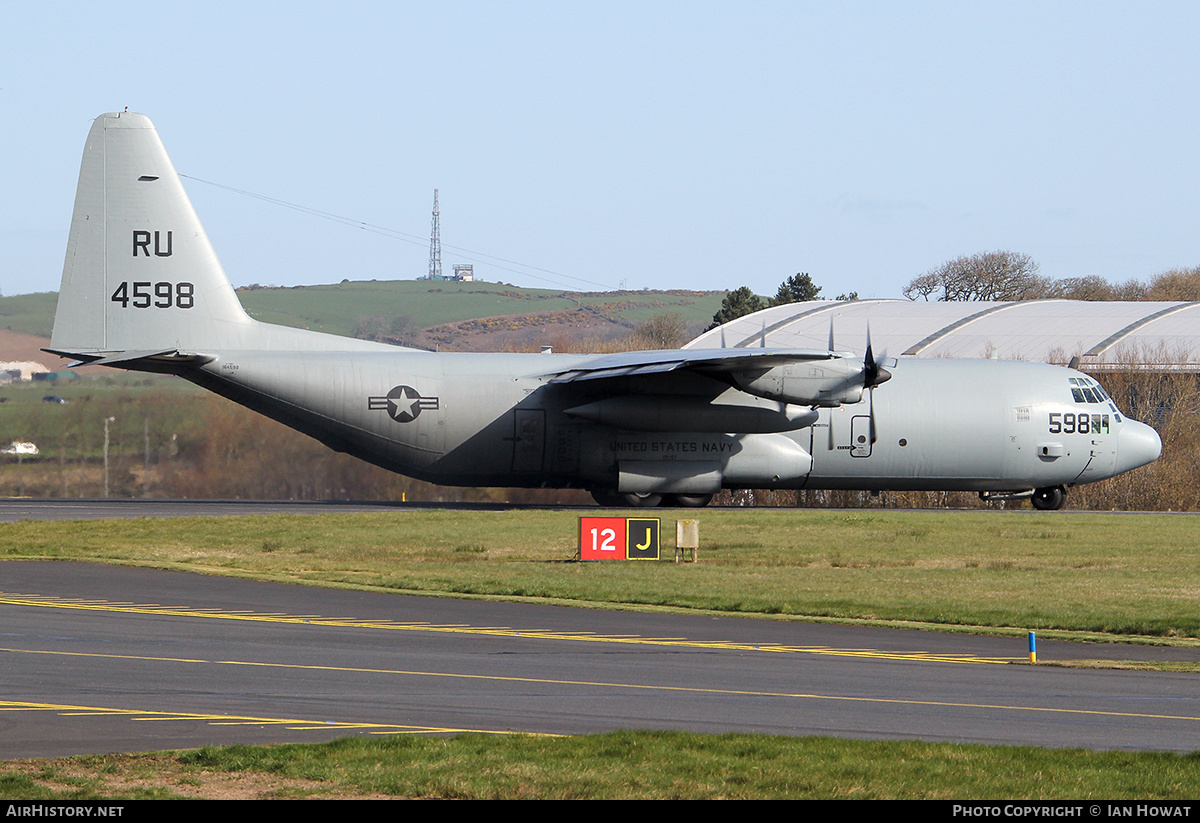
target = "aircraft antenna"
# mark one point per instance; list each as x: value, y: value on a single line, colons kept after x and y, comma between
x: 435, y: 242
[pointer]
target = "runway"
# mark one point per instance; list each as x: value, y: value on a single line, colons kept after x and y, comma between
x: 98, y: 659
x: 13, y: 509
x: 26, y: 508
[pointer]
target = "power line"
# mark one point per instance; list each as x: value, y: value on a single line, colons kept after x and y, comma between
x: 396, y: 234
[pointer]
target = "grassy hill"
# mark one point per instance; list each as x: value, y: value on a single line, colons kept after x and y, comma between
x: 410, y: 306
x: 29, y: 313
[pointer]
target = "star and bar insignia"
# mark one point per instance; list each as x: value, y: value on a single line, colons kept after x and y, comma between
x: 402, y: 403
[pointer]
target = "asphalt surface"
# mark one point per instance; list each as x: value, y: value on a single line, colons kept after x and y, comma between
x: 20, y: 508
x: 13, y: 509
x: 97, y: 658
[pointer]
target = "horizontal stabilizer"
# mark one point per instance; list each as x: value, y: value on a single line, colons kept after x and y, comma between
x: 128, y: 357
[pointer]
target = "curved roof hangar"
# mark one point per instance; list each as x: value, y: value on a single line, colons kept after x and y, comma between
x: 1103, y: 335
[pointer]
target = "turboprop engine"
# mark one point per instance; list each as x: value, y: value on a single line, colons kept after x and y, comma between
x: 823, y: 383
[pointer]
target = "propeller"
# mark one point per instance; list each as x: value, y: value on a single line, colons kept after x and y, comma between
x: 830, y: 444
x: 873, y: 375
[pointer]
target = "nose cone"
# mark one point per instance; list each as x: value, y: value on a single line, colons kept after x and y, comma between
x: 1138, y: 445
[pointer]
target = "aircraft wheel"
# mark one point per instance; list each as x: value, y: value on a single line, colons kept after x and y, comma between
x: 688, y: 501
x: 641, y: 501
x: 1049, y: 499
x: 608, y: 498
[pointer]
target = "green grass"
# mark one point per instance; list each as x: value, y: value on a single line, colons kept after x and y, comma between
x: 75, y: 430
x: 620, y: 765
x: 336, y: 308
x: 1090, y: 573
x: 29, y: 313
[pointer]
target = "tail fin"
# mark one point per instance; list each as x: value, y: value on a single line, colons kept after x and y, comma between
x: 140, y: 275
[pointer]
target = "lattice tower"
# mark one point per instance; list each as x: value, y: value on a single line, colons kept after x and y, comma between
x: 435, y: 242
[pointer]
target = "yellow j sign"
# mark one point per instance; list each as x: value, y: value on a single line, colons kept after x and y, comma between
x: 641, y: 538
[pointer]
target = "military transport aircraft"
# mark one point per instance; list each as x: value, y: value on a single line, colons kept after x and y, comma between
x: 142, y: 289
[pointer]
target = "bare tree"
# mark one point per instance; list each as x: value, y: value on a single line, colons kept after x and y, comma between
x: 665, y: 330
x: 995, y: 275
x: 1176, y: 284
x: 1093, y: 287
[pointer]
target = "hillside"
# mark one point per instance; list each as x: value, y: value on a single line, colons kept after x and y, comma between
x: 435, y: 314
x: 31, y: 314
x: 15, y: 346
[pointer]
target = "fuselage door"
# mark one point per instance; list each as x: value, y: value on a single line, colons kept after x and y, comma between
x: 860, y: 435
x: 1103, y: 447
x: 529, y: 440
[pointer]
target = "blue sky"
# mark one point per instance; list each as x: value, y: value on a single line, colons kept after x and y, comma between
x: 660, y: 144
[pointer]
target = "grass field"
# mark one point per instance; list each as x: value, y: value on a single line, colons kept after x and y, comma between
x: 621, y: 765
x: 1103, y: 574
x: 1089, y: 576
x: 138, y: 405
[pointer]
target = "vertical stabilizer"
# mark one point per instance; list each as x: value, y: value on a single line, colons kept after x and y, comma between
x: 140, y: 274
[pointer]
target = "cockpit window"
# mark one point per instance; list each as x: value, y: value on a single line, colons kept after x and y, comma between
x: 1086, y: 390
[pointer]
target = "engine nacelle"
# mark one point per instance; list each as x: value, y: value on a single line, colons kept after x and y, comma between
x: 827, y: 383
x: 670, y: 413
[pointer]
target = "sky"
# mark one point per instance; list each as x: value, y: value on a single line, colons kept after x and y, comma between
x: 590, y: 146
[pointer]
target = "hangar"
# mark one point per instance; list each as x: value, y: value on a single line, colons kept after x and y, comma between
x: 1105, y: 336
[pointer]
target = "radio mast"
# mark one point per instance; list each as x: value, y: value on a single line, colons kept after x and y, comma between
x: 435, y: 242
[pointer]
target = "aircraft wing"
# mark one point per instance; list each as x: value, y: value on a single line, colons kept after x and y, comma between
x: 771, y: 389
x: 710, y: 362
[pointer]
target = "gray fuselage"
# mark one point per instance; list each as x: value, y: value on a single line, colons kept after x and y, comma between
x: 496, y: 420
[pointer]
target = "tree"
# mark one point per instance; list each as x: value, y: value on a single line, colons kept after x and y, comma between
x: 995, y: 275
x: 665, y: 330
x: 737, y: 303
x: 1176, y: 284
x: 798, y: 288
x: 1091, y: 287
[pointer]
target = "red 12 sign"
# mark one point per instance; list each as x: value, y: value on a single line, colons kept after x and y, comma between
x: 602, y: 538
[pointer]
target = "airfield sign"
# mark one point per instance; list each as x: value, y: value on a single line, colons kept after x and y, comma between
x: 618, y: 538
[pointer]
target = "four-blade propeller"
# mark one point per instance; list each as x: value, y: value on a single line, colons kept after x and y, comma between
x: 873, y: 373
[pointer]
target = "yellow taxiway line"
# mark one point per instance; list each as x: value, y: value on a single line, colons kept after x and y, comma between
x: 43, y: 601
x: 385, y: 728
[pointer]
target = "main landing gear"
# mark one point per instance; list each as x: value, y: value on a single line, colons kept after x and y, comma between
x: 1049, y: 499
x: 634, y: 500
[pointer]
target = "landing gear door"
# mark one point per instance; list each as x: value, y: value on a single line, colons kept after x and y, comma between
x: 860, y: 436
